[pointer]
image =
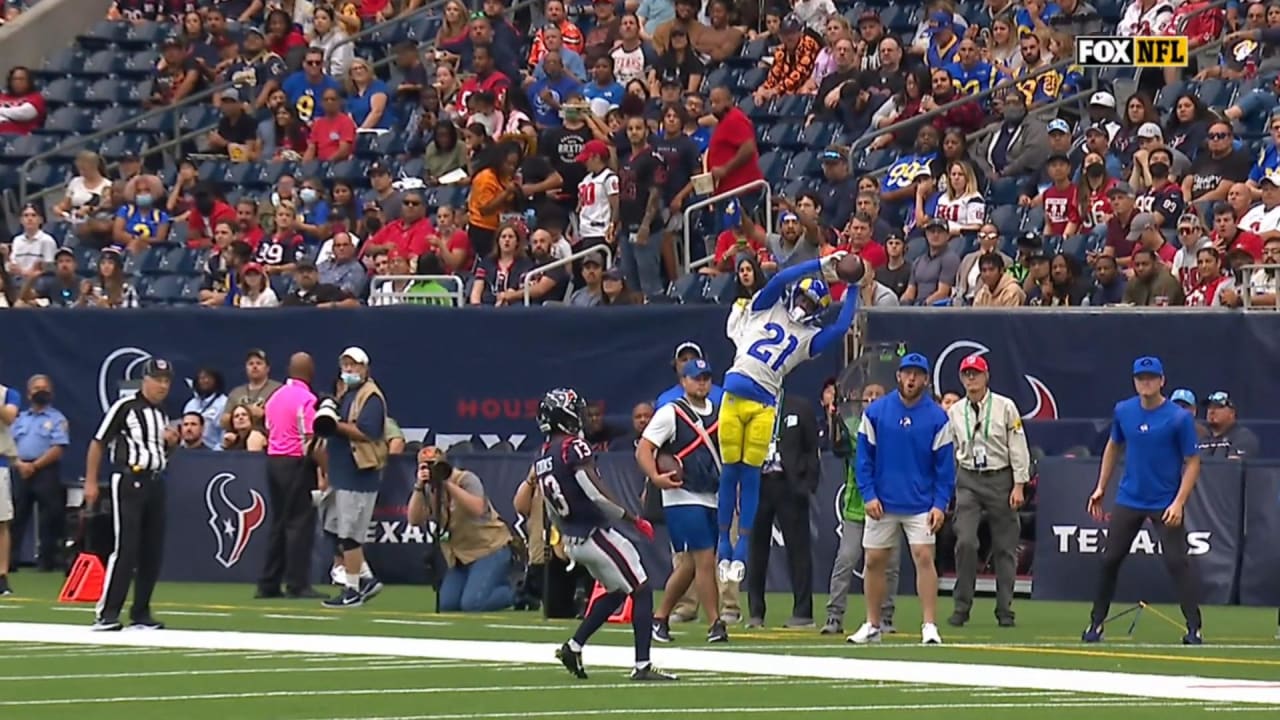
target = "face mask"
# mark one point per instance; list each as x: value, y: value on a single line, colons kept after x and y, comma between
x: 351, y: 379
x: 308, y: 195
x: 41, y: 397
x: 1015, y: 114
x: 1095, y: 172
x: 142, y: 200
x: 1159, y: 170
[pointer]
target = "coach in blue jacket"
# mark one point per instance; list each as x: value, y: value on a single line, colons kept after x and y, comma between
x: 906, y: 474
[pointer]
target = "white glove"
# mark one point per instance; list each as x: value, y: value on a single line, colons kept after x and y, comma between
x: 829, y: 266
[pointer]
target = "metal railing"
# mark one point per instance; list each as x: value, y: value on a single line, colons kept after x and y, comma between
x: 740, y: 190
x: 404, y: 297
x: 562, y: 262
x: 1246, y: 292
x: 176, y: 109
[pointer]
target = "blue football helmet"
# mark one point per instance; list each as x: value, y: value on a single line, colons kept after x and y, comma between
x: 808, y: 299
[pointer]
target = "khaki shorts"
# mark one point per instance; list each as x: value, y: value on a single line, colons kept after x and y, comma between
x: 6, y: 496
x: 348, y: 514
x: 882, y: 534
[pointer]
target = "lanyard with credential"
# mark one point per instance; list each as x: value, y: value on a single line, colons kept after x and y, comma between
x: 986, y: 430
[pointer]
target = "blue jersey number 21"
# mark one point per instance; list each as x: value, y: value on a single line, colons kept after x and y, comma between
x: 766, y: 349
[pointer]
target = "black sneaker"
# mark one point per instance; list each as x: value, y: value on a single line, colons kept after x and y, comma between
x: 369, y: 588
x: 346, y: 599
x: 958, y: 619
x: 4, y: 586
x: 1192, y: 637
x: 106, y: 625
x: 306, y: 593
x: 572, y: 661
x: 662, y: 631
x: 267, y: 594
x: 1006, y: 621
x: 649, y: 673
x: 146, y: 622
x: 718, y: 633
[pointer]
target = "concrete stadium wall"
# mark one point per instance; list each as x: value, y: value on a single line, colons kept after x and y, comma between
x: 45, y: 29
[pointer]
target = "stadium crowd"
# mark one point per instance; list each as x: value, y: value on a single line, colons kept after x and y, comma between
x: 447, y: 162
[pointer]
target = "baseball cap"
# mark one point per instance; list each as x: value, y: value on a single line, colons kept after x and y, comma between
x: 1271, y: 177
x: 251, y: 30
x: 1120, y: 188
x: 593, y: 259
x: 1059, y: 125
x: 1148, y: 365
x: 935, y: 222
x: 1220, y: 398
x: 305, y: 266
x: 791, y: 23
x: 1058, y: 157
x: 1190, y: 219
x: 732, y: 214
x: 251, y: 267
x: 379, y: 168
x: 258, y: 353
x: 1142, y: 222
x: 157, y: 368
x: 229, y: 94
x: 914, y: 360
x: 356, y: 355
x: 613, y: 274
x: 788, y: 215
x: 974, y: 362
x: 1184, y: 396
x: 593, y: 148
x: 834, y: 153
x: 1098, y: 128
x: 696, y: 368
x: 1150, y: 130
x: 869, y: 16
x: 67, y: 251
x: 688, y: 346
x: 1102, y: 98
x: 1029, y: 240
x: 942, y: 19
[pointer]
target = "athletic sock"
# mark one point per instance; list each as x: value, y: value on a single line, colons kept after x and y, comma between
x: 642, y: 623
x: 353, y: 581
x: 365, y: 570
x: 604, y: 606
x: 574, y: 645
x: 726, y: 504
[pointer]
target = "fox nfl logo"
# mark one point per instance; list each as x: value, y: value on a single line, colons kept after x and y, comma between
x: 1142, y: 52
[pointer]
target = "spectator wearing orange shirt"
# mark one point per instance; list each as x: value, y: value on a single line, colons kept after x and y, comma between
x: 493, y: 192
x: 793, y: 62
x: 569, y: 33
x: 409, y: 235
x: 333, y: 134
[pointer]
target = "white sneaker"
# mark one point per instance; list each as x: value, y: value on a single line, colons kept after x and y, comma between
x: 737, y: 571
x: 866, y: 635
x: 722, y: 571
x: 338, y: 575
x: 929, y: 635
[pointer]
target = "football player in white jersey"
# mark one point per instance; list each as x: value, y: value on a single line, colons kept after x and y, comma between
x: 773, y: 336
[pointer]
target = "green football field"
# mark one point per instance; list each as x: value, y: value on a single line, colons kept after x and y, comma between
x: 226, y: 656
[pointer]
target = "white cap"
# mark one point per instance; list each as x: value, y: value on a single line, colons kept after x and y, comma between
x: 1103, y: 99
x: 357, y: 355
x: 689, y: 346
x: 1150, y: 130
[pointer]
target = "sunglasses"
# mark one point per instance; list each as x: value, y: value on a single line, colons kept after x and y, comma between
x: 1187, y: 231
x: 1219, y: 136
x: 411, y: 203
x: 988, y: 235
x: 313, y: 62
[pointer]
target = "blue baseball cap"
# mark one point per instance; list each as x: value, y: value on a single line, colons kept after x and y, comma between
x: 1185, y: 396
x: 732, y: 214
x: 696, y: 368
x: 1148, y: 365
x: 914, y: 360
x: 1059, y: 125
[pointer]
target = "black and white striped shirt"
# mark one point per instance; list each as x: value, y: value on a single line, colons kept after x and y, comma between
x: 133, y: 431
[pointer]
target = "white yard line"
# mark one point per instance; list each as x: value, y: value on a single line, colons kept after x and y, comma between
x: 425, y: 623
x: 195, y: 613
x: 900, y: 645
x: 301, y: 617
x: 185, y: 673
x: 1166, y: 687
x: 64, y: 608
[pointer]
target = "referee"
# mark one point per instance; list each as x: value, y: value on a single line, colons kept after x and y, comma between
x: 1160, y: 471
x: 137, y: 438
x: 993, y: 465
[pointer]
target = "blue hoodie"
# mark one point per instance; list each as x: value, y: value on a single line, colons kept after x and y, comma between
x: 905, y: 456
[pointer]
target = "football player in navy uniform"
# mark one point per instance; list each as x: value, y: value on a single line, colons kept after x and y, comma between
x: 566, y: 474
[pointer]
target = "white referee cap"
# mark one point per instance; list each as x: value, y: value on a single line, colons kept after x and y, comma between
x: 356, y: 355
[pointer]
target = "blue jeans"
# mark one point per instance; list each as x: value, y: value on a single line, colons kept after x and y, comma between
x: 641, y: 265
x: 482, y: 586
x: 1256, y: 105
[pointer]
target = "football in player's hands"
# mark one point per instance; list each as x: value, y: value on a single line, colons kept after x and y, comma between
x: 850, y: 269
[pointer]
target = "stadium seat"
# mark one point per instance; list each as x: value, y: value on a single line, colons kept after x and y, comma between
x: 178, y: 234
x: 238, y: 174
x: 782, y: 135
x: 413, y: 167
x: 60, y: 92
x: 87, y: 260
x: 103, y: 34
x: 133, y: 262
x: 169, y: 262
x: 140, y: 64
x: 138, y: 92
x: 153, y: 260
x: 163, y: 288
x: 804, y: 164
x: 1006, y: 220
x: 107, y: 91
x: 1168, y: 96
x: 793, y: 107
x: 820, y: 134
x: 27, y: 146
x: 422, y: 28
x: 190, y: 292
x: 688, y: 288
x: 103, y: 62
x: 44, y: 175
x: 211, y: 170
x: 142, y: 35
x: 62, y: 63
x: 769, y: 164
x: 120, y: 145
x: 877, y: 160
x: 1216, y: 93
x: 752, y: 78
x: 66, y: 121
x: 197, y: 117
x: 350, y: 171
x: 1032, y: 220
x: 108, y: 118
x: 270, y: 173
x: 721, y: 289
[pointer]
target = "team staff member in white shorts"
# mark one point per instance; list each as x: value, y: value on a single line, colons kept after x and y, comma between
x: 906, y: 474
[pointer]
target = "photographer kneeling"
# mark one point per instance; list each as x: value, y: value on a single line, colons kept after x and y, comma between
x: 474, y: 540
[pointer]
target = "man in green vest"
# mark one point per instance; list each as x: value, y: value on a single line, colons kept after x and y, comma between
x: 852, y: 516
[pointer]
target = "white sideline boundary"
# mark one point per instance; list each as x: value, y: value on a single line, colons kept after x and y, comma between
x: 1167, y: 687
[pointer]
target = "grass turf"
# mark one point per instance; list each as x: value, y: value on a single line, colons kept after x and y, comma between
x: 40, y: 681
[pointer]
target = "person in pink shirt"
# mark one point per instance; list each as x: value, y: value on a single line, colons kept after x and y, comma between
x: 289, y: 414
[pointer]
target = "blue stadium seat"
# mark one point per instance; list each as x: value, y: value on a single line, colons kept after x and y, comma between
x: 717, y: 78
x: 281, y: 284
x: 140, y: 64
x: 413, y: 167
x: 688, y: 288
x: 108, y: 118
x: 1216, y: 93
x: 211, y: 170
x: 164, y: 288
x: 820, y: 134
x: 1168, y: 95
x: 350, y: 171
x: 1110, y: 10
x: 877, y: 160
x: 120, y: 145
x: 196, y: 117
x: 782, y: 135
x: 804, y: 164
x: 752, y: 78
x: 152, y: 261
x: 314, y: 168
x: 799, y: 185
x: 60, y: 92
x: 270, y: 172
x: 87, y: 260
x: 64, y: 62
x: 143, y: 35
x: 28, y: 146
x: 755, y: 50
x: 1005, y: 217
x: 770, y: 162
x: 138, y: 92
x: 103, y: 34
x: 422, y: 28
x: 191, y: 290
x: 170, y: 261
x: 44, y: 175
x: 238, y: 174
x: 1033, y: 220
x: 107, y: 91
x: 133, y: 262
x: 721, y: 289
x: 66, y: 121
x: 178, y: 234
x: 794, y: 107
x: 103, y: 62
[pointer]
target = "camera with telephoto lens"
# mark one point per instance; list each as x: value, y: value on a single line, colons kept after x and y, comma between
x: 326, y: 422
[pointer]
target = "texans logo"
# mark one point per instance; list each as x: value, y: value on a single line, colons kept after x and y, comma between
x: 1046, y: 407
x: 232, y: 525
x: 122, y: 366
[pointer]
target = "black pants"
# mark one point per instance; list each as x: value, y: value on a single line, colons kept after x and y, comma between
x: 788, y: 505
x: 482, y: 241
x: 138, y: 516
x: 1125, y: 524
x: 293, y: 524
x: 44, y: 489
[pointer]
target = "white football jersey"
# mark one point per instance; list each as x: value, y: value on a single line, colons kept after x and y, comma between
x: 594, y: 213
x: 770, y: 345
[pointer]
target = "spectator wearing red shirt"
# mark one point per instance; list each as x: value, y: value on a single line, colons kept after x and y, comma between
x: 375, y: 10
x: 1122, y: 205
x: 247, y: 222
x: 333, y: 134
x: 487, y: 79
x: 22, y: 109
x: 741, y: 235
x: 207, y: 210
x: 450, y: 242
x: 1145, y: 232
x: 969, y: 116
x: 283, y: 36
x: 732, y: 155
x: 409, y: 235
x: 861, y: 243
x: 1061, y: 206
x: 1228, y: 236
